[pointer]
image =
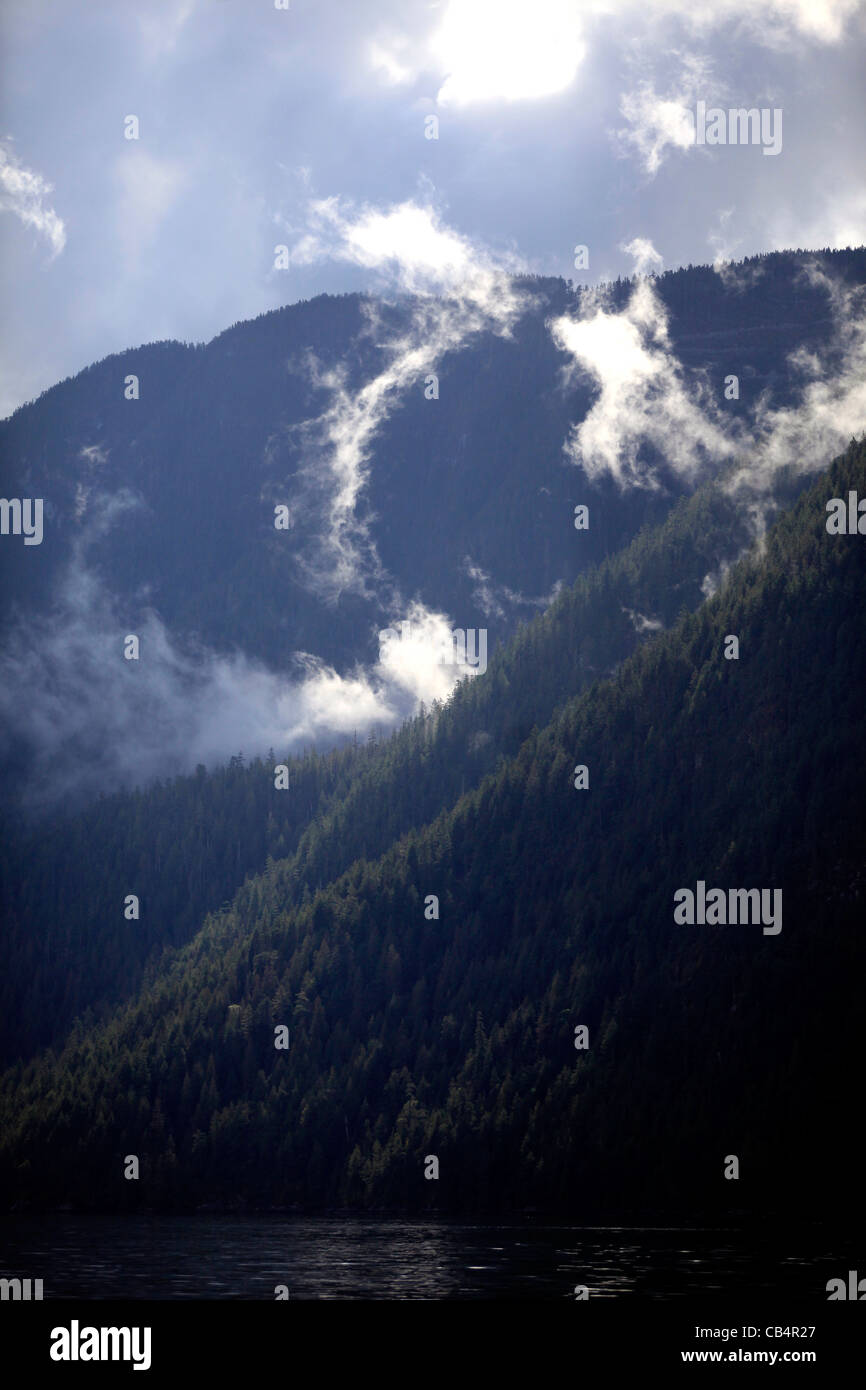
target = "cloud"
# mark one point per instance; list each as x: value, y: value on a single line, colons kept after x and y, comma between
x: 644, y: 397
x: 657, y: 124
x: 646, y: 258
x: 713, y: 580
x: 839, y: 220
x: 831, y: 410
x: 89, y: 720
x: 419, y: 654
x: 772, y: 24
x: 641, y: 623
x: 498, y: 600
x: 410, y: 249
x: 407, y: 243
x: 736, y: 276
x: 385, y: 60
x: 23, y: 192
x: 506, y: 50
x: 824, y: 20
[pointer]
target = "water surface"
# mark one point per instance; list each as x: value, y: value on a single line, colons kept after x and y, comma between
x: 245, y: 1257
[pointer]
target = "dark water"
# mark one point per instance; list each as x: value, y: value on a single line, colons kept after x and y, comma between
x: 245, y: 1257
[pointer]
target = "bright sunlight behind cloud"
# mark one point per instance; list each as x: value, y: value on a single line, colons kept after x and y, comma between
x: 495, y: 50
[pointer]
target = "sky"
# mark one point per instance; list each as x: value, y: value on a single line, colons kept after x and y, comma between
x: 260, y: 125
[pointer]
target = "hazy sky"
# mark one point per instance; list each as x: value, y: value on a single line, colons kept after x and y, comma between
x: 560, y: 123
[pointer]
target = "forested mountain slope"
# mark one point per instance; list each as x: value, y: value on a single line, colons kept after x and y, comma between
x: 184, y: 847
x: 453, y: 1036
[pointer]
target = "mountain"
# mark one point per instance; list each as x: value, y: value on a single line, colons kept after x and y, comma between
x: 414, y: 1035
x: 193, y: 841
x: 169, y: 498
x: 160, y: 510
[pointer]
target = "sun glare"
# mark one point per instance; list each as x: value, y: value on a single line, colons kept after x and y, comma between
x: 495, y: 50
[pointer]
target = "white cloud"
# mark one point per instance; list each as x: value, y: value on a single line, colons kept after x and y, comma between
x: 655, y: 123
x: 771, y: 23
x: 94, y: 721
x: 418, y: 654
x: 831, y: 409
x: 23, y: 192
x: 407, y: 243
x: 659, y: 123
x: 507, y: 50
x: 511, y: 50
x: 410, y: 248
x: 723, y: 241
x: 643, y: 398
x: 838, y: 221
x: 824, y: 20
x: 713, y: 580
x: 641, y: 623
x: 646, y: 257
x: 498, y: 600
x: 385, y: 60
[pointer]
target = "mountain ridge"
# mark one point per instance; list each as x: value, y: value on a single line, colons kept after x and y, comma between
x: 188, y: 1075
